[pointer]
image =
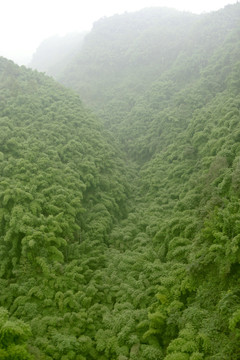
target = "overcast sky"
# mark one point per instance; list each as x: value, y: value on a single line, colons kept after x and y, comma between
x: 25, y: 23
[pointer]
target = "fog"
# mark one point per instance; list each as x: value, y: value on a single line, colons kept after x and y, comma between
x: 24, y: 24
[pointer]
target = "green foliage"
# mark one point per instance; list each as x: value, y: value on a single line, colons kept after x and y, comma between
x: 119, y: 235
x: 13, y: 336
x: 58, y: 169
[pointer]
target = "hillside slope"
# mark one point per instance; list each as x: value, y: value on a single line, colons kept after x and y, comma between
x: 126, y: 51
x: 63, y: 186
x: 125, y: 54
x: 177, y: 116
x: 124, y: 245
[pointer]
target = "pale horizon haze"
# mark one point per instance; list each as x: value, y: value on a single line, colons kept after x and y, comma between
x: 24, y: 24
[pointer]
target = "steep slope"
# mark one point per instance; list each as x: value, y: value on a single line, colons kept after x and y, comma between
x: 124, y: 55
x: 174, y: 261
x: 63, y: 186
x: 177, y: 263
x: 126, y: 51
x: 158, y: 278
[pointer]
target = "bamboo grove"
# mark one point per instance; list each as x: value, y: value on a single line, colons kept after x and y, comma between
x: 120, y: 213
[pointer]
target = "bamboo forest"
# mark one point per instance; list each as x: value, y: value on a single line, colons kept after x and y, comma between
x: 120, y: 192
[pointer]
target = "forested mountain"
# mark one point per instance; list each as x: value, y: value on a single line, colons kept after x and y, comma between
x: 63, y: 187
x: 126, y: 51
x: 124, y: 55
x: 120, y: 235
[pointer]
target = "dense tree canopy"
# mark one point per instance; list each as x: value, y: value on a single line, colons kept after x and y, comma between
x: 119, y: 235
x: 63, y: 187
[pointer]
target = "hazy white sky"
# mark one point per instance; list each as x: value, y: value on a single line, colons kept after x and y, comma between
x: 25, y: 23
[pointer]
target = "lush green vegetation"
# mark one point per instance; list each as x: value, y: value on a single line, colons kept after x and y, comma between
x: 63, y: 187
x: 120, y: 235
